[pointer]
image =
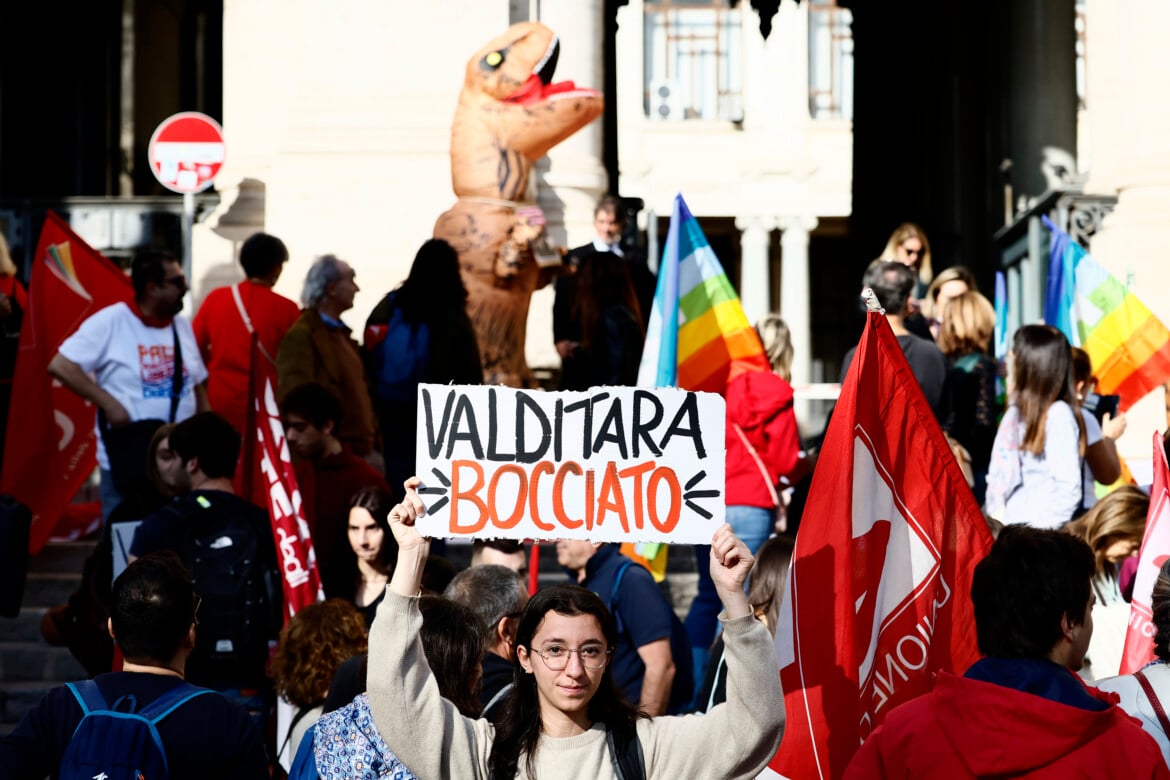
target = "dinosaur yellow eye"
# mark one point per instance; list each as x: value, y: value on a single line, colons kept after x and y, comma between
x: 494, y: 59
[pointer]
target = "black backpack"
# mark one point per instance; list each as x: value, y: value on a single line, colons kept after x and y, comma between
x: 229, y: 554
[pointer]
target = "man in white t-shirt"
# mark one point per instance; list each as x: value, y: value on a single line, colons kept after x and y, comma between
x: 122, y: 358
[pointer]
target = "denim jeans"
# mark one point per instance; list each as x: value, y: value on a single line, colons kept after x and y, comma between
x: 753, y: 525
x: 109, y: 495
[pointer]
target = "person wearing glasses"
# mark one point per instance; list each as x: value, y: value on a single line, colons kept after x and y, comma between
x: 122, y: 360
x: 565, y: 717
x: 909, y: 246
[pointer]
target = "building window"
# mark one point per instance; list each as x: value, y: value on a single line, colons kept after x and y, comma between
x: 693, y: 61
x: 830, y: 60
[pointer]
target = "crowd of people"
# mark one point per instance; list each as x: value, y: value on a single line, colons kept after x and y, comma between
x: 412, y: 668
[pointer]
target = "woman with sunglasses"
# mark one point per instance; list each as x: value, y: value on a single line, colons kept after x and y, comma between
x: 565, y: 711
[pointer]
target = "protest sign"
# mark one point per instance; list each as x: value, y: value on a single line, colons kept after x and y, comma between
x: 613, y: 464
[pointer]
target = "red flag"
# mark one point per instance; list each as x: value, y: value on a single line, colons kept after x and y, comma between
x: 1139, y: 637
x: 51, y: 447
x: 878, y: 599
x: 267, y: 465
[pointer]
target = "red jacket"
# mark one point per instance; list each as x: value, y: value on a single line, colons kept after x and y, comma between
x: 760, y: 403
x: 970, y: 728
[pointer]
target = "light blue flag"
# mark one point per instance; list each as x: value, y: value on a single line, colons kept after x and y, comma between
x: 1001, y: 316
x: 659, y: 367
x: 1059, y: 300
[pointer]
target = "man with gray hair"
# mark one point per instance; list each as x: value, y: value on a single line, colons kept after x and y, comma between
x: 498, y: 596
x: 318, y: 348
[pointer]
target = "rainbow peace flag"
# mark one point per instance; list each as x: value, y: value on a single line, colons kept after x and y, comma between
x: 698, y: 337
x: 1129, y: 346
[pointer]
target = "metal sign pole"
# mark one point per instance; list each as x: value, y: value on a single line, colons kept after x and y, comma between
x: 188, y: 230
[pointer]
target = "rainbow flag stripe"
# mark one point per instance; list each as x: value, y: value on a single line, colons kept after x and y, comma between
x: 698, y: 337
x: 1129, y: 346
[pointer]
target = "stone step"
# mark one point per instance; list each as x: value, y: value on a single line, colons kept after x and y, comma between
x: 17, y: 698
x: 25, y: 627
x: 62, y: 557
x: 29, y: 661
x: 46, y: 589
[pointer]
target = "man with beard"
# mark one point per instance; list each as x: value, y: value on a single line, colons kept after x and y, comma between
x: 122, y: 359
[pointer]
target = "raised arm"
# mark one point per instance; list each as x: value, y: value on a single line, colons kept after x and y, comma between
x: 425, y: 731
x: 739, y: 737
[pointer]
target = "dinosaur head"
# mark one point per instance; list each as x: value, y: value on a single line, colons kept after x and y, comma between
x: 510, y: 102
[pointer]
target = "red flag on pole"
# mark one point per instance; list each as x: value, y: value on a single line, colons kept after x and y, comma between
x: 51, y: 446
x: 1139, y: 637
x: 267, y: 466
x: 878, y: 599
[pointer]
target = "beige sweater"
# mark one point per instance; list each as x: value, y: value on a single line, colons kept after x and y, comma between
x: 735, y: 739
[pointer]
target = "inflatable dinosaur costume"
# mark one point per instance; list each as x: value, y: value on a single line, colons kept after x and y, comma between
x: 509, y: 115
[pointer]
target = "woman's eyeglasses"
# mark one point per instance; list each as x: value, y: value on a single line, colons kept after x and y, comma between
x: 556, y: 657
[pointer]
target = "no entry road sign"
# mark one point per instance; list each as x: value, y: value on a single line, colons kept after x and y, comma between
x: 186, y: 152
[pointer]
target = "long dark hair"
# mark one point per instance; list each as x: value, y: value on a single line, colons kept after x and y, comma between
x: 518, y: 730
x: 1043, y: 376
x: 378, y: 503
x: 603, y: 281
x: 433, y: 285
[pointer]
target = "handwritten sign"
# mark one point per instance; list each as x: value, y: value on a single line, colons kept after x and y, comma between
x: 613, y: 464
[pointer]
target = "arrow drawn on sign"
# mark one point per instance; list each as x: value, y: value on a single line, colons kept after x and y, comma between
x: 690, y: 495
x: 437, y: 491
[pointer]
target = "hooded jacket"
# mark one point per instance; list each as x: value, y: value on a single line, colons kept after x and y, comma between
x: 967, y: 728
x: 760, y: 403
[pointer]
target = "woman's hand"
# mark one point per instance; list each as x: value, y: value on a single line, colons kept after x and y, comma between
x: 731, y: 563
x: 403, y: 516
x: 413, y: 547
x: 1113, y: 427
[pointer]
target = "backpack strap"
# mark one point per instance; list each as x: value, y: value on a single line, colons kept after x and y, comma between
x: 613, y: 596
x: 759, y: 464
x: 88, y: 696
x: 499, y: 697
x: 1144, y: 681
x: 171, y: 700
x: 301, y: 713
x: 176, y: 373
x: 625, y: 751
x: 248, y: 321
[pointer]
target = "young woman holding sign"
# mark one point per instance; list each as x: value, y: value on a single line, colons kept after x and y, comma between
x: 565, y: 718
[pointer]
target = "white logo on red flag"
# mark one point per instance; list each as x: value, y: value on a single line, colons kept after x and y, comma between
x: 898, y: 575
x: 1139, y: 637
x: 298, y: 562
x: 878, y: 595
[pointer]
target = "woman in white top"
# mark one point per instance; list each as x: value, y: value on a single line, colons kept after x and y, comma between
x: 1149, y: 706
x: 1035, y: 471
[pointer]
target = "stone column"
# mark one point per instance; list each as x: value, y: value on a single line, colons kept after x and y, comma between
x: 1129, y: 156
x: 754, y: 285
x: 794, y: 299
x: 572, y: 177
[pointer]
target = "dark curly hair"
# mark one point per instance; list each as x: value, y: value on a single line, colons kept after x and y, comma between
x: 313, y: 644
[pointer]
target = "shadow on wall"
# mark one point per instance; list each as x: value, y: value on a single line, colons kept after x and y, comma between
x: 242, y: 218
